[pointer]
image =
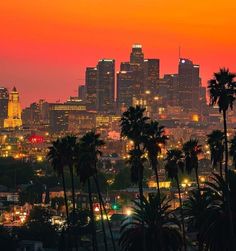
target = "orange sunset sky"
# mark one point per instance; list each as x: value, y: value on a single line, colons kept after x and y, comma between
x: 45, y: 45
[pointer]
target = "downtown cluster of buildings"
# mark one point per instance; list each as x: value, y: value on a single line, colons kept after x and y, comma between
x: 177, y: 100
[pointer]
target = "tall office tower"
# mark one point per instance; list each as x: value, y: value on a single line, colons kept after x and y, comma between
x: 82, y: 92
x: 91, y: 87
x: 189, y: 84
x: 136, y: 55
x: 151, y: 74
x: 125, y: 80
x: 105, y: 85
x: 14, y: 110
x: 3, y: 105
x: 172, y: 87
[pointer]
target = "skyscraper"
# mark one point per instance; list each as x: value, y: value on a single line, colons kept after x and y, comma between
x: 137, y: 55
x: 189, y: 84
x: 91, y: 87
x: 3, y: 105
x: 105, y: 85
x: 14, y: 110
x: 125, y: 81
x: 151, y: 74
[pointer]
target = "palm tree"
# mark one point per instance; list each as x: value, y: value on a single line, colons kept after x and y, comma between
x: 175, y: 163
x: 58, y: 161
x: 161, y: 228
x: 192, y: 150
x: 87, y: 157
x: 136, y: 161
x: 88, y: 153
x: 222, y: 90
x: 232, y: 150
x: 153, y: 141
x: 69, y: 143
x: 214, y: 234
x: 133, y: 123
x: 215, y: 141
x: 194, y: 208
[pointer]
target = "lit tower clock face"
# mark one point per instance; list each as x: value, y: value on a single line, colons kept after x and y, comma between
x: 182, y: 61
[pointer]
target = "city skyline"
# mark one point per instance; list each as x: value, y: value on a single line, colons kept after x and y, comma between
x: 40, y: 51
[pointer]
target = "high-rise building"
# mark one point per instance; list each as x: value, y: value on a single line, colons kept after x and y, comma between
x: 91, y: 87
x: 125, y: 81
x: 151, y: 75
x: 189, y: 84
x: 82, y: 92
x: 172, y: 87
x: 3, y: 105
x: 14, y: 111
x: 137, y: 55
x: 105, y: 85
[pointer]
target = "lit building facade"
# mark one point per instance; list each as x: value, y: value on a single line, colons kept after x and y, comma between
x: 189, y: 85
x: 105, y: 85
x: 14, y: 111
x: 91, y: 87
x: 151, y: 74
x: 4, y: 95
x: 125, y: 81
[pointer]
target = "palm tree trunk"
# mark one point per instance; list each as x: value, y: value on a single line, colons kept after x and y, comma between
x: 66, y: 205
x: 221, y: 170
x: 154, y: 167
x: 197, y: 178
x: 182, y: 214
x: 103, y: 227
x: 73, y: 191
x: 104, y: 209
x: 140, y: 186
x: 94, y: 237
x: 73, y: 204
x: 232, y: 244
x: 226, y: 145
x: 65, y: 196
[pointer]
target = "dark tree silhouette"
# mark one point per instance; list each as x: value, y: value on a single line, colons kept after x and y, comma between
x: 216, y: 143
x: 58, y: 161
x: 222, y: 90
x: 154, y: 140
x: 161, y: 228
x: 174, y: 164
x: 88, y: 153
x: 192, y: 149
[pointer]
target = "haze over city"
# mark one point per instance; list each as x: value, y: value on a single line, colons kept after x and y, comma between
x: 45, y: 45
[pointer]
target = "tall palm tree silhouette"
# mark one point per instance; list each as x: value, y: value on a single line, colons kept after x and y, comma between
x: 69, y: 142
x: 216, y: 143
x: 174, y: 164
x: 133, y: 124
x: 153, y: 141
x: 88, y: 153
x: 222, y: 90
x: 58, y: 161
x: 192, y: 149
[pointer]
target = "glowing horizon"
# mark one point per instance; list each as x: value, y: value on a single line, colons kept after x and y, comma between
x: 45, y: 45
